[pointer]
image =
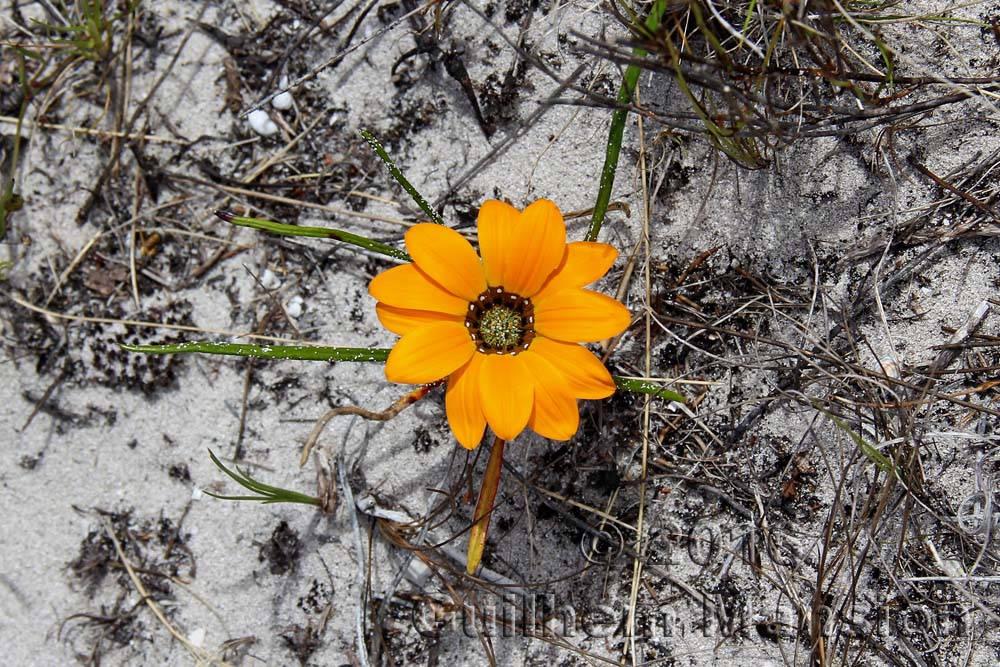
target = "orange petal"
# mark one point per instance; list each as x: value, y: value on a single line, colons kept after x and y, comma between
x: 429, y: 353
x: 461, y: 400
x: 554, y: 414
x: 534, y: 249
x: 402, y: 321
x: 496, y: 223
x: 447, y: 258
x: 407, y: 286
x: 580, y: 316
x: 583, y: 373
x: 583, y: 263
x: 505, y: 389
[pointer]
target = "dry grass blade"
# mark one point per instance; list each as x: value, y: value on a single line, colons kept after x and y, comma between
x: 200, y: 655
x: 756, y: 77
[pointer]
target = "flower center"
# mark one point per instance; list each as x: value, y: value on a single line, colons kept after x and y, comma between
x: 501, y: 322
x: 501, y: 327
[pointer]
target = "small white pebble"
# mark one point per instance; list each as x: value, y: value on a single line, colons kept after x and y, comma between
x: 197, y: 637
x: 282, y: 101
x: 269, y: 280
x: 417, y: 572
x: 197, y: 494
x: 952, y: 568
x: 294, y: 307
x: 261, y: 123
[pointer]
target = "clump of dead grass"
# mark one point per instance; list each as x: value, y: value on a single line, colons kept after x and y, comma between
x: 757, y: 76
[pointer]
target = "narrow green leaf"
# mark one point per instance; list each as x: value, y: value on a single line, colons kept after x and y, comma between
x: 11, y: 201
x: 647, y: 387
x: 264, y: 493
x: 313, y: 232
x: 890, y: 66
x: 398, y: 176
x: 614, y: 146
x: 749, y: 15
x: 873, y: 454
x: 300, y: 352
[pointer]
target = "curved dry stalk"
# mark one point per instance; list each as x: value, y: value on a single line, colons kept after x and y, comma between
x: 398, y: 406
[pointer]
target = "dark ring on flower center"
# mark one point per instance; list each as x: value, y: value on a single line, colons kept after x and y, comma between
x: 501, y: 322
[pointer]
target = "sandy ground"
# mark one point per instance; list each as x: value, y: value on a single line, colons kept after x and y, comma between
x: 824, y: 283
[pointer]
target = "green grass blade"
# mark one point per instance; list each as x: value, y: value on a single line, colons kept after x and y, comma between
x: 890, y: 66
x: 298, y: 352
x: 264, y: 493
x: 646, y: 387
x: 873, y: 454
x: 617, y: 130
x: 746, y: 20
x: 312, y: 232
x: 398, y: 176
x: 11, y: 201
x: 222, y: 497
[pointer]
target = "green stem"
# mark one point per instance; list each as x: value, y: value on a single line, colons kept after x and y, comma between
x: 618, y: 128
x: 313, y: 232
x: 11, y: 201
x: 398, y: 176
x: 298, y: 352
x: 647, y: 387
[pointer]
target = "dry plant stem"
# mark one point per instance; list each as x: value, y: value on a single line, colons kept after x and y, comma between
x: 136, y: 204
x: 587, y: 212
x: 605, y: 516
x: 87, y: 131
x: 311, y: 74
x: 245, y: 394
x: 224, y: 252
x: 143, y: 324
x: 637, y: 562
x: 385, y: 415
x: 359, y: 611
x: 278, y: 199
x: 72, y: 266
x: 277, y: 157
x: 199, y: 654
x: 982, y: 206
x: 45, y: 397
x: 629, y: 86
x: 484, y: 508
x: 508, y: 141
x: 618, y: 546
x: 140, y: 109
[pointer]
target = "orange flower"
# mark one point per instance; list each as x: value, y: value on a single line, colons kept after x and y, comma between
x: 505, y: 330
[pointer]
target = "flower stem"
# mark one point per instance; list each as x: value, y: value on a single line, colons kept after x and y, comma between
x: 484, y: 508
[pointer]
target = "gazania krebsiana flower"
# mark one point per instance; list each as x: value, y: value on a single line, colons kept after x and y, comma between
x: 505, y: 329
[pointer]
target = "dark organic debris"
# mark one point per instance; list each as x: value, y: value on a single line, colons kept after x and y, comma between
x: 282, y: 551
